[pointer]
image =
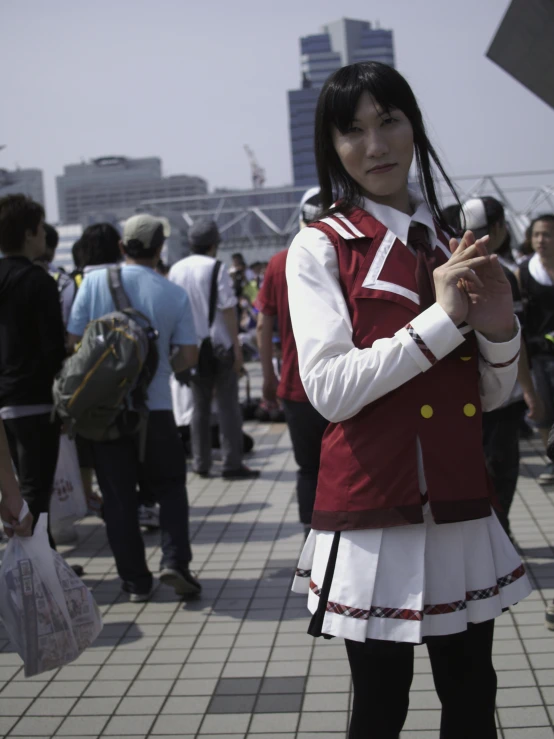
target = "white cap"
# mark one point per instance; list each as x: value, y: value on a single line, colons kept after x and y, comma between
x: 474, y: 214
x: 310, y: 205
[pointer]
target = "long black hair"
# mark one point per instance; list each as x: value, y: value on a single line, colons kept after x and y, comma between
x: 337, y: 105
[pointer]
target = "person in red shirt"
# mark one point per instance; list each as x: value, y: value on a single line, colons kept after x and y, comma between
x: 306, y: 425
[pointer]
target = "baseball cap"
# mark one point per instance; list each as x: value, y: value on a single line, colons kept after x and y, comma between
x: 143, y: 234
x: 204, y: 232
x: 310, y: 205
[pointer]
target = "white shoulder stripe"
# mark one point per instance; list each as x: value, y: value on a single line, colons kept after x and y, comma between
x: 335, y: 225
x: 350, y: 225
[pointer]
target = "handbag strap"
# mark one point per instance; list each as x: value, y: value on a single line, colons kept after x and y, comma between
x: 213, y: 293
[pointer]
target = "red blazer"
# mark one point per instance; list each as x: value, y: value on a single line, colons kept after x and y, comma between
x: 368, y: 474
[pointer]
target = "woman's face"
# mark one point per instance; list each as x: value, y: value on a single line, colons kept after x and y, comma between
x: 542, y: 238
x: 377, y: 152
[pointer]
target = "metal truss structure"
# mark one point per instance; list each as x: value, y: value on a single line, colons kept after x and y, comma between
x: 260, y: 222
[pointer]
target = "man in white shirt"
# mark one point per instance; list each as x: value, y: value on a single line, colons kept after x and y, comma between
x: 194, y: 274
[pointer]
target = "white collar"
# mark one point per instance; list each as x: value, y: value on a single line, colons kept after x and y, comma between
x: 538, y: 272
x: 399, y: 223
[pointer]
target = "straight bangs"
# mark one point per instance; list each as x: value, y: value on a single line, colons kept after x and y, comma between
x: 351, y: 82
x: 336, y: 107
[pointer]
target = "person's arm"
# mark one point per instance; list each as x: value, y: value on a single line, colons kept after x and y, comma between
x: 72, y: 341
x: 184, y: 341
x: 532, y: 399
x: 11, y: 501
x: 229, y: 316
x: 339, y: 378
x: 525, y: 378
x: 80, y: 315
x: 264, y: 333
x: 50, y: 324
x: 184, y: 357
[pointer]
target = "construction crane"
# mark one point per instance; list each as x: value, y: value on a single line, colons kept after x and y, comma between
x: 258, y: 172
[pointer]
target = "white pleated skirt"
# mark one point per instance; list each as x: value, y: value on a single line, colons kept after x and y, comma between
x: 405, y: 583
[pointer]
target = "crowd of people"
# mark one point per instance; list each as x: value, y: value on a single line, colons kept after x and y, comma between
x: 409, y: 347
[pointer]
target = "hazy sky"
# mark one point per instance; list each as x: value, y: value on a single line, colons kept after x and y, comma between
x: 192, y: 82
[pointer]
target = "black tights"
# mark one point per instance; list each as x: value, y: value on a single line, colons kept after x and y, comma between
x: 464, y: 678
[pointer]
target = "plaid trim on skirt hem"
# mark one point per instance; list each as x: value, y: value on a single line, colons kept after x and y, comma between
x: 409, y: 582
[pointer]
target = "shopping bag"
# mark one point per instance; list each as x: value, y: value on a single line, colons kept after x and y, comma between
x: 68, y: 502
x: 48, y: 612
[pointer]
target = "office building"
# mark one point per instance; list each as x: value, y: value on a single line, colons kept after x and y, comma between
x: 25, y: 181
x: 340, y: 43
x: 111, y: 188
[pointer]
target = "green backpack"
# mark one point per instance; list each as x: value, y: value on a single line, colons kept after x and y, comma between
x: 102, y: 389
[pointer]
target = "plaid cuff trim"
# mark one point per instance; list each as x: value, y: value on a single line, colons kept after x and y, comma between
x: 498, y: 365
x: 409, y: 614
x: 303, y: 573
x: 423, y: 348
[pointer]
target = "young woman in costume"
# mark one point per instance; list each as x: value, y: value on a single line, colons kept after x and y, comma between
x: 404, y: 338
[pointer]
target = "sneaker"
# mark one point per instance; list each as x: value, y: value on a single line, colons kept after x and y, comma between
x: 202, y: 473
x: 137, y: 595
x: 549, y: 617
x: 149, y: 516
x: 242, y: 473
x: 547, y: 477
x: 181, y: 580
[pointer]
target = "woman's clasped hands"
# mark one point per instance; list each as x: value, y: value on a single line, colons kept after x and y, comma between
x: 472, y: 287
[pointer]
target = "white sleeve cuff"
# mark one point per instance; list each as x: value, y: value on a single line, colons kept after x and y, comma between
x: 430, y: 337
x: 500, y: 353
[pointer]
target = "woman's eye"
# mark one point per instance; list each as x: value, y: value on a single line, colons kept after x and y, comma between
x: 388, y: 120
x: 354, y: 129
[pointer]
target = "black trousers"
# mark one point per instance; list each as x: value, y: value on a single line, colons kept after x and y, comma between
x: 34, y: 445
x: 163, y: 470
x: 306, y: 428
x: 501, y: 446
x: 464, y: 679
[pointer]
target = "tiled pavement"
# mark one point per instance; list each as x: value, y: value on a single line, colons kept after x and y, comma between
x: 238, y: 662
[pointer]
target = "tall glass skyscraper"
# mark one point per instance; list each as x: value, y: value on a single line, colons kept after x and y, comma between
x: 342, y: 42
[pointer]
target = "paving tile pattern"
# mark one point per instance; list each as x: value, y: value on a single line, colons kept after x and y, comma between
x: 238, y: 662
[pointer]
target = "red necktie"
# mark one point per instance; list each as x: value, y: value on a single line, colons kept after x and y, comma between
x: 418, y: 239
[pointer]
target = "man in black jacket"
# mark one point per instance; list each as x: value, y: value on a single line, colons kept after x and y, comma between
x: 32, y: 349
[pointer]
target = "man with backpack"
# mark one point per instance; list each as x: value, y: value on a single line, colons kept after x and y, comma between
x: 137, y: 317
x: 31, y: 350
x: 214, y: 307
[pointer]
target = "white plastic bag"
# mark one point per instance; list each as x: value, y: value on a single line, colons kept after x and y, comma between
x: 68, y: 502
x: 49, y: 613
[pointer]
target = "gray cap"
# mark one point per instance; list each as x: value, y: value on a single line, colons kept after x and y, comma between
x: 204, y: 232
x: 143, y: 232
